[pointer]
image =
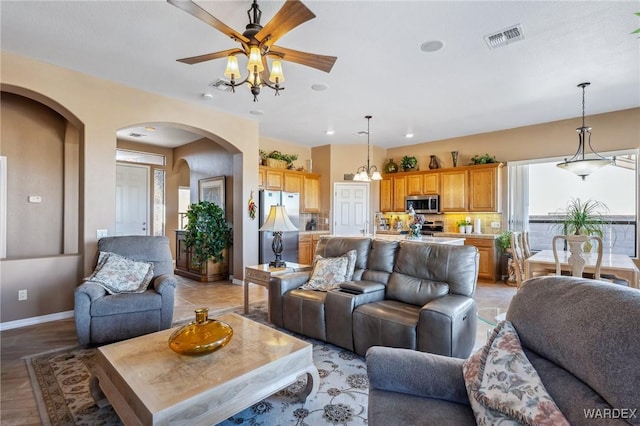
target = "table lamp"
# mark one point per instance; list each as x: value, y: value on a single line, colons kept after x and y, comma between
x: 278, y: 222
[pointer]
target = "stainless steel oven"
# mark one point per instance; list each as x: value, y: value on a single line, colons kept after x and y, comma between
x: 423, y: 203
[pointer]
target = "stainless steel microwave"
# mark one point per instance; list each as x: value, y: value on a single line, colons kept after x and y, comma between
x: 423, y: 203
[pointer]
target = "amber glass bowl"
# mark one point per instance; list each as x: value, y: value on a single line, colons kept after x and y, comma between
x: 201, y: 336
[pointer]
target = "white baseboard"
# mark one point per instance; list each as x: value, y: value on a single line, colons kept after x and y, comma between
x: 236, y: 282
x: 35, y: 320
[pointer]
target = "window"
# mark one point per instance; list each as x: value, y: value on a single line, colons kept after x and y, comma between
x: 539, y: 190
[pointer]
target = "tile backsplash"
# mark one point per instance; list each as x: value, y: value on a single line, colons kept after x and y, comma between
x: 321, y: 219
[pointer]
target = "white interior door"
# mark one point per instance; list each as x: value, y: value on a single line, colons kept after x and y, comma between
x: 350, y: 208
x: 132, y: 199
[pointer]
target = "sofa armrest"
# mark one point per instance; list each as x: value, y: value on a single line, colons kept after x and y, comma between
x: 361, y: 287
x: 278, y: 286
x: 416, y: 373
x: 163, y: 283
x: 447, y: 326
x: 91, y: 291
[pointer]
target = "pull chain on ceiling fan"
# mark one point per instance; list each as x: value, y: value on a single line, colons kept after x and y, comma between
x: 257, y: 43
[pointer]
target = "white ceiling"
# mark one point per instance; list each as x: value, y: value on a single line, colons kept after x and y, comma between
x: 465, y: 88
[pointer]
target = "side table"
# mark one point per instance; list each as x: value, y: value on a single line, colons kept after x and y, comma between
x: 261, y: 275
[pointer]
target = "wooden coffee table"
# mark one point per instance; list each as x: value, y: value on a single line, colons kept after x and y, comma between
x: 147, y: 383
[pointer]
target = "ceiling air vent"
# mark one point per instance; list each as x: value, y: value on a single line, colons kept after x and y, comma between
x: 221, y: 85
x: 137, y: 135
x: 504, y: 37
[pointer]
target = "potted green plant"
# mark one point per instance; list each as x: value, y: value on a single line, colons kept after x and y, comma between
x: 281, y: 160
x: 462, y: 225
x: 207, y: 236
x: 409, y: 163
x: 583, y: 218
x: 483, y: 159
x: 503, y: 242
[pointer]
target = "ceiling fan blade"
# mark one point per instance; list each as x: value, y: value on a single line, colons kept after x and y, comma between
x: 195, y: 10
x: 292, y: 14
x: 320, y: 62
x: 209, y: 56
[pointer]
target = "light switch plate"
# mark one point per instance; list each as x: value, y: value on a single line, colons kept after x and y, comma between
x: 101, y: 233
x: 35, y: 199
x: 495, y: 225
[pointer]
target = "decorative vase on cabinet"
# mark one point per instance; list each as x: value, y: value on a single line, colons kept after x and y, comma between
x: 434, y: 163
x: 391, y: 167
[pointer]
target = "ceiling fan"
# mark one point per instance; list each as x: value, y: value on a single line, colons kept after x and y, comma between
x: 257, y: 42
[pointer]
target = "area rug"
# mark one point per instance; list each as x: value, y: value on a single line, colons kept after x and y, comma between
x: 61, y: 379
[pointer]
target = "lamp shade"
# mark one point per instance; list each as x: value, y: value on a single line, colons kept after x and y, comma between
x: 276, y: 75
x: 255, y: 60
x: 232, y: 67
x: 278, y: 221
x: 585, y: 167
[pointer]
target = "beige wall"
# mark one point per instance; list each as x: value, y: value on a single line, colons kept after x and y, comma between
x: 612, y: 131
x: 99, y: 108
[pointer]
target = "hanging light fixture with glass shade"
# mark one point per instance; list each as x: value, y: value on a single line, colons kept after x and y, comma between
x: 579, y: 164
x: 367, y: 173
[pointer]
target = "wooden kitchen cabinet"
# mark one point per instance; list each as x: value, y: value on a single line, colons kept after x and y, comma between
x: 292, y: 182
x: 310, y: 194
x: 305, y: 251
x: 399, y: 193
x: 489, y: 263
x: 261, y: 177
x: 430, y: 183
x: 413, y: 184
x: 386, y: 194
x: 453, y: 191
x: 274, y: 180
x: 484, y: 189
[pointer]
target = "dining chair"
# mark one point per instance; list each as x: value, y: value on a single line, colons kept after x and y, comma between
x: 526, y: 248
x: 576, y: 259
x: 517, y: 256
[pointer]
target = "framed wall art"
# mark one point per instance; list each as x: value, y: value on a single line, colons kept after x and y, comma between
x: 212, y: 190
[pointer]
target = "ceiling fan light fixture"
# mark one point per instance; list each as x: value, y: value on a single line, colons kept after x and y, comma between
x: 276, y: 75
x: 579, y: 164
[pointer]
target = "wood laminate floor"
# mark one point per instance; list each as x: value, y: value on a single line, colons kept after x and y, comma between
x: 17, y: 402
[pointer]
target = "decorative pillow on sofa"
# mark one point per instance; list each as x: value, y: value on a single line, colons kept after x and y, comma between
x: 117, y: 274
x: 503, y: 386
x: 327, y: 273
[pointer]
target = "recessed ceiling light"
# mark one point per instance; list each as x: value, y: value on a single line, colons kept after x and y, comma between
x: 256, y: 112
x: 207, y: 96
x: 319, y: 87
x: 408, y: 135
x: 150, y: 128
x: 330, y: 132
x: 431, y: 46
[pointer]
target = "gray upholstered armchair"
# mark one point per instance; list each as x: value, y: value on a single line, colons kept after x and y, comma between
x: 102, y: 317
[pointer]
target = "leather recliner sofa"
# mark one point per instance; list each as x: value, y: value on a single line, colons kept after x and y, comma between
x: 403, y: 294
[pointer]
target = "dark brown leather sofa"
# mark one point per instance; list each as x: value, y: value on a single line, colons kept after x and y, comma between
x: 403, y: 294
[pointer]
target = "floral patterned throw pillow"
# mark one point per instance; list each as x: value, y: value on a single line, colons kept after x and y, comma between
x: 503, y: 386
x: 327, y: 273
x: 117, y: 274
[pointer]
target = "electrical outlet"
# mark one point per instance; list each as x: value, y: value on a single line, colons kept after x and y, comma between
x: 495, y: 225
x: 101, y: 233
x: 22, y: 294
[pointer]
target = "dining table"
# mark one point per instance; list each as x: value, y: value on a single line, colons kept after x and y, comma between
x: 620, y: 265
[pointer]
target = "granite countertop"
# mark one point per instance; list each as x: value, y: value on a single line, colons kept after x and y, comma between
x: 314, y: 232
x: 459, y: 235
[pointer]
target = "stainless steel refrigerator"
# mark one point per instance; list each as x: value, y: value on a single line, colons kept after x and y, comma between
x: 291, y: 202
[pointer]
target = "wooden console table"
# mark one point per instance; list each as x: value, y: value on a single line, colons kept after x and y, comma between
x: 261, y: 275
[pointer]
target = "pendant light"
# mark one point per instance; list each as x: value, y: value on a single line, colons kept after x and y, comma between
x: 579, y: 164
x: 367, y: 173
